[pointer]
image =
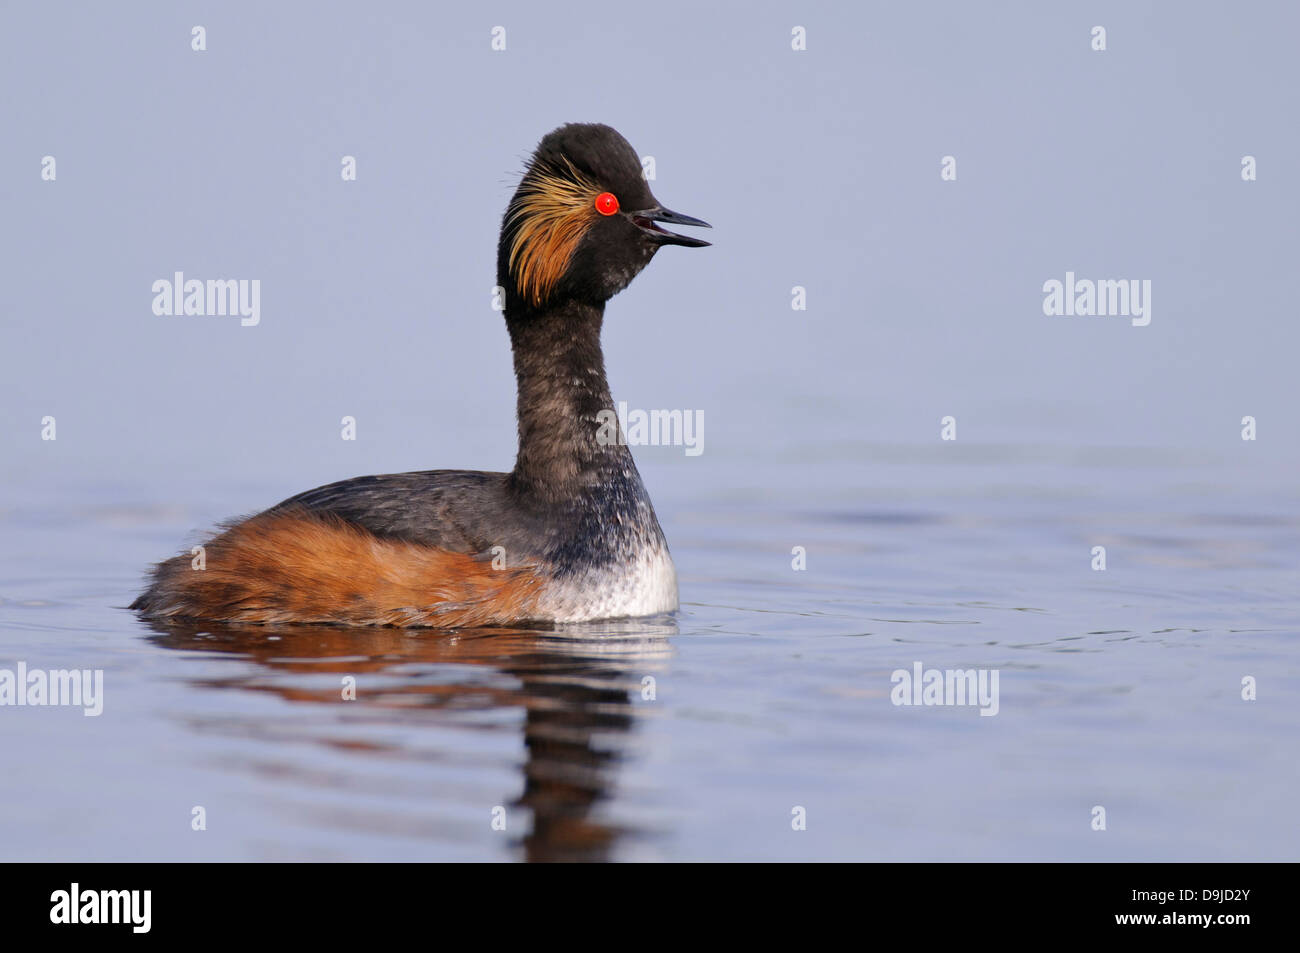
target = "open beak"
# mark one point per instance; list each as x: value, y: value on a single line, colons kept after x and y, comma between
x: 646, y: 222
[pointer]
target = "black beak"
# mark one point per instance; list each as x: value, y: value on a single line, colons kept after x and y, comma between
x: 646, y: 222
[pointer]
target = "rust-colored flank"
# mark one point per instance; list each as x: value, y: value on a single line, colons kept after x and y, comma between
x: 307, y: 567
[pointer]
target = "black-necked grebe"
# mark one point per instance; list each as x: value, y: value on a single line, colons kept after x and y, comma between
x: 568, y: 535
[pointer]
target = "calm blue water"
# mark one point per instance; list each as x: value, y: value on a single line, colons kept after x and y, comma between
x: 1119, y: 688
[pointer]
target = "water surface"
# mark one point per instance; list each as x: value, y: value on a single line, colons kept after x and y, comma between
x: 696, y: 736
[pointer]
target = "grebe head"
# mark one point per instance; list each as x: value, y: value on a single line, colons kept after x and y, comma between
x: 582, y: 223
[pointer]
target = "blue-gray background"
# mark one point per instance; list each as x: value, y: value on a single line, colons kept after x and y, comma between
x: 817, y: 168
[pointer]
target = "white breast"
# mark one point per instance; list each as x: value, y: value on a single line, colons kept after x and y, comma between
x: 646, y: 585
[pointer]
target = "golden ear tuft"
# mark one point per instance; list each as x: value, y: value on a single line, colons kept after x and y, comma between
x: 551, y: 212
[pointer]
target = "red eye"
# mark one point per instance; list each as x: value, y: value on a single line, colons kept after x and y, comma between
x: 606, y: 203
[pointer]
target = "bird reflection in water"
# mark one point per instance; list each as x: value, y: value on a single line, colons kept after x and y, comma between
x: 578, y: 687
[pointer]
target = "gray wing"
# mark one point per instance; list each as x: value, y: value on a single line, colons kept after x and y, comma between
x: 463, y: 511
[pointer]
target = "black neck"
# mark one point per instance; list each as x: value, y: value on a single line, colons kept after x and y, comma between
x: 560, y: 372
